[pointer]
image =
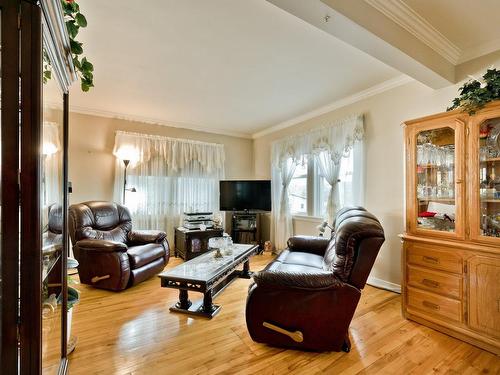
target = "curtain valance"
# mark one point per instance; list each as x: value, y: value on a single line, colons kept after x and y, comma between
x: 336, y: 138
x: 178, y: 154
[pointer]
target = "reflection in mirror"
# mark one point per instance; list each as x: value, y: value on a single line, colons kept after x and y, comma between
x: 436, y: 179
x: 51, y: 199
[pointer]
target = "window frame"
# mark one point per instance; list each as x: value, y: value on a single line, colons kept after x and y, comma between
x: 313, y: 199
x: 313, y: 183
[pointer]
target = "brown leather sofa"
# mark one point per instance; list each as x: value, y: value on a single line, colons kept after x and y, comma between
x: 111, y: 254
x: 306, y: 298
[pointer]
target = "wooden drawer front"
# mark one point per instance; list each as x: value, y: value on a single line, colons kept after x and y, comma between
x: 437, y: 282
x: 434, y: 305
x: 430, y: 256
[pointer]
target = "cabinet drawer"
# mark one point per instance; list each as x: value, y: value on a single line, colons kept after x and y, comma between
x: 434, y: 305
x: 434, y: 281
x: 433, y: 257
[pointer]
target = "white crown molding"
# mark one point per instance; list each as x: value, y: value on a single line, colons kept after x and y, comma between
x: 415, y: 24
x: 374, y: 90
x: 148, y: 120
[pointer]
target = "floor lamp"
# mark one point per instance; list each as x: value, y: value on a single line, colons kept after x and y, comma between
x: 126, y: 162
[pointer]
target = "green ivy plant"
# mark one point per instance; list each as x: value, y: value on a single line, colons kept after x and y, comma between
x: 475, y: 94
x: 74, y: 20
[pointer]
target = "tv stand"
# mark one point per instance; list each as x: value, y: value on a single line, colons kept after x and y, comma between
x: 245, y: 228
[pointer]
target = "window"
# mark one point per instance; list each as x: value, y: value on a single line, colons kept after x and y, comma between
x: 297, y: 190
x: 309, y: 190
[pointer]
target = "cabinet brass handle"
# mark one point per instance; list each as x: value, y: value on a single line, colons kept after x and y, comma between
x: 427, y: 259
x: 430, y: 283
x: 430, y: 305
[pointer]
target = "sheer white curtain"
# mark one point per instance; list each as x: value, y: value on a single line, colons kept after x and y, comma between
x: 329, y: 168
x: 329, y: 145
x: 170, y: 175
x: 281, y: 224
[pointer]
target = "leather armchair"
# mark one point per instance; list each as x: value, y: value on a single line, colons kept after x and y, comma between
x: 306, y: 297
x: 112, y: 255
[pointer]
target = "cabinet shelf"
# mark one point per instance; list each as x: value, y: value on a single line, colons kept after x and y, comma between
x: 436, y: 199
x: 490, y: 160
x: 490, y: 200
x: 435, y: 166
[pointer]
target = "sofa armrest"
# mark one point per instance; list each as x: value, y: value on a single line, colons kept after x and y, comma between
x: 287, y: 280
x: 142, y: 237
x: 308, y: 244
x: 101, y: 246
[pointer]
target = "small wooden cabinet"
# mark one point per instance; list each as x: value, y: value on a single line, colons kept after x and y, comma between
x: 484, y: 294
x: 451, y: 246
x: 191, y: 243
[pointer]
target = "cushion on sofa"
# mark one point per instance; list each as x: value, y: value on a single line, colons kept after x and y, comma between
x: 294, y: 268
x: 301, y: 259
x: 144, y: 254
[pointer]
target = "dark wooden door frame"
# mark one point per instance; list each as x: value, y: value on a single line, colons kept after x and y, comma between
x: 30, y: 238
x: 21, y: 134
x: 9, y: 185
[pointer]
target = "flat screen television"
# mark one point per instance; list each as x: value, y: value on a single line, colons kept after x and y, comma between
x: 251, y: 195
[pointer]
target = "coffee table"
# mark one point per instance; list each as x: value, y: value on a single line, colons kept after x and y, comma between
x: 208, y: 275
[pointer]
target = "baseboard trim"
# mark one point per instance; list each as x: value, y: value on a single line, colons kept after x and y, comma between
x: 379, y: 283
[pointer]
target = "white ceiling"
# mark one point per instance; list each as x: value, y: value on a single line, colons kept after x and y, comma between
x: 230, y: 66
x: 472, y: 26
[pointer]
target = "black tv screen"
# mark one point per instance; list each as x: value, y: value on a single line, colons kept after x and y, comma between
x: 245, y: 195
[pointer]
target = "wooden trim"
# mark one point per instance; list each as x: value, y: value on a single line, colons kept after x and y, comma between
x: 463, y: 334
x: 480, y: 315
x: 438, y: 116
x: 65, y: 239
x: 458, y: 125
x: 9, y: 186
x: 457, y: 113
x: 30, y: 236
x: 474, y: 200
x: 451, y: 244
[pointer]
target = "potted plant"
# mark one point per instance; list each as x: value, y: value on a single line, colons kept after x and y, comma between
x: 475, y: 94
x: 74, y: 20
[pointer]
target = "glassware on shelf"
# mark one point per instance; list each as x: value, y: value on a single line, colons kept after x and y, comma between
x: 435, y: 159
x: 489, y: 177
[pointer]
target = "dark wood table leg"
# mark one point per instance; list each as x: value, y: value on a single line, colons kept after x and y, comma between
x: 184, y: 302
x: 246, y: 274
x: 208, y: 306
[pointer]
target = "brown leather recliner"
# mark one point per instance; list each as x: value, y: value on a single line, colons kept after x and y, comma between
x: 306, y: 297
x: 111, y: 254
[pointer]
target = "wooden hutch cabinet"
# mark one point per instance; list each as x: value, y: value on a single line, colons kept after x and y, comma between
x: 451, y: 247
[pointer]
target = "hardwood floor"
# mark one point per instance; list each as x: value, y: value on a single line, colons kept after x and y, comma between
x: 133, y: 332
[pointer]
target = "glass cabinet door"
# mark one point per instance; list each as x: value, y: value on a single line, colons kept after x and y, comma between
x: 436, y: 178
x: 485, y: 191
